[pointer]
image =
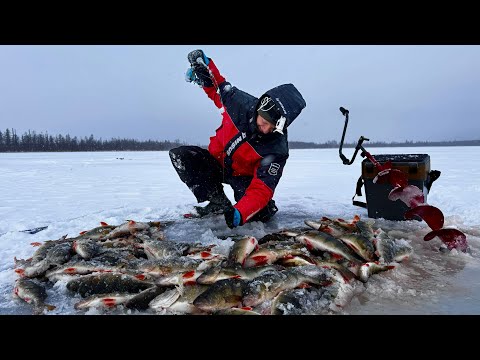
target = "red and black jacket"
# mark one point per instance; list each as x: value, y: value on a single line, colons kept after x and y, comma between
x: 244, y: 151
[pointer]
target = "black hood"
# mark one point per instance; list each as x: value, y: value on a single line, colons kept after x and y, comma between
x: 288, y: 102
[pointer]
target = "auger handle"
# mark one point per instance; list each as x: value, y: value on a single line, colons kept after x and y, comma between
x: 359, y: 146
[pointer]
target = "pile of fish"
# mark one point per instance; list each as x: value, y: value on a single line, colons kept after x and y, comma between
x: 134, y: 267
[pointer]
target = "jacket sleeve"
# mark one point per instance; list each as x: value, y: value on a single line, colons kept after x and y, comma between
x: 261, y: 189
x: 217, y: 79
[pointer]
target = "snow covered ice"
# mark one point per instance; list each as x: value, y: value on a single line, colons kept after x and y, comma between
x: 74, y: 192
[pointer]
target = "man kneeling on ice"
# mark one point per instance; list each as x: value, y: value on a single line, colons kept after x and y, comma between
x: 248, y: 151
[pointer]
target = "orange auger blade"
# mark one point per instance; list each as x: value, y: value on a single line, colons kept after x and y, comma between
x: 428, y: 213
x: 453, y: 238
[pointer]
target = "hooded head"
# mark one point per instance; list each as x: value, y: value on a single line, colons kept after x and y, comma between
x: 268, y: 111
x: 280, y: 106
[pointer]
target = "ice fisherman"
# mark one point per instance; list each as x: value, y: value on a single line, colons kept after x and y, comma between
x: 248, y: 151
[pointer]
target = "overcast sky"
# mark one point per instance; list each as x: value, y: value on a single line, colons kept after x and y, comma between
x: 394, y: 92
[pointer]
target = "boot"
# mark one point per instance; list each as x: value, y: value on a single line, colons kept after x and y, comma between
x: 216, y: 205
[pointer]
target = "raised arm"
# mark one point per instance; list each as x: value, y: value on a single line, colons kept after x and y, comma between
x: 204, y: 73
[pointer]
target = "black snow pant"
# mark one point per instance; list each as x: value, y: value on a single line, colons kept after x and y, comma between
x: 204, y: 176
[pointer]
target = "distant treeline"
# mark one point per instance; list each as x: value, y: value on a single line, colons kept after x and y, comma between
x: 32, y: 142
x: 335, y: 144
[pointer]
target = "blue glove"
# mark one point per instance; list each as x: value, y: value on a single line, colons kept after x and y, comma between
x: 198, y: 57
x: 198, y: 72
x: 232, y: 217
x: 190, y: 76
